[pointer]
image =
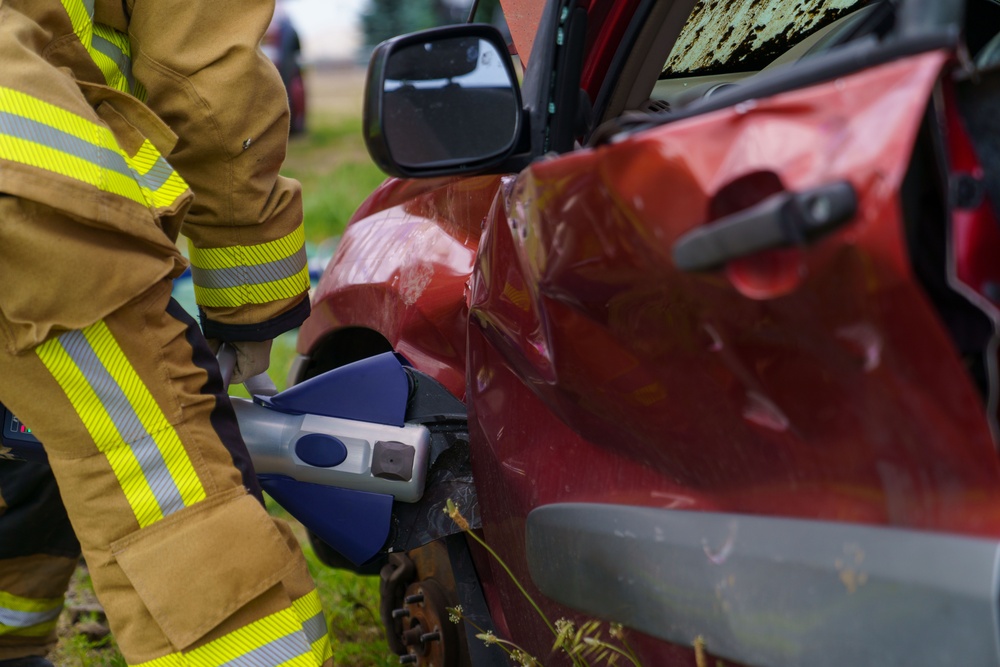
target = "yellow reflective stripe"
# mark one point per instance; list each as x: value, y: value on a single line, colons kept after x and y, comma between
x: 252, y: 637
x: 139, y: 91
x: 117, y: 70
x: 28, y: 617
x: 308, y: 605
x: 117, y: 66
x: 155, y: 423
x: 42, y: 135
x: 160, y: 184
x: 310, y: 612
x: 256, y: 274
x: 171, y: 660
x: 29, y: 605
x: 40, y: 630
x: 122, y: 417
x: 242, y: 295
x: 82, y: 19
x: 102, y: 430
x: 21, y: 104
x: 44, y: 157
x: 235, y: 256
x: 273, y: 640
x: 112, y: 75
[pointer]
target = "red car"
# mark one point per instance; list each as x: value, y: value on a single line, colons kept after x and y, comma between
x: 718, y: 286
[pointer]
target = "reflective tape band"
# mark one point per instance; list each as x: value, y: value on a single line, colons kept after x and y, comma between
x: 241, y: 275
x: 277, y: 639
x: 310, y: 612
x: 45, y: 136
x: 254, y: 274
x: 109, y: 49
x: 22, y: 104
x: 160, y: 184
x: 236, y: 256
x: 144, y: 451
x: 42, y: 135
x: 28, y: 617
x: 253, y: 294
x: 81, y: 15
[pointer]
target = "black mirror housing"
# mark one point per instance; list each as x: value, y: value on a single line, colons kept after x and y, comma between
x: 442, y: 102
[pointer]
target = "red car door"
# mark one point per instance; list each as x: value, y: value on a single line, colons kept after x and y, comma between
x: 723, y: 384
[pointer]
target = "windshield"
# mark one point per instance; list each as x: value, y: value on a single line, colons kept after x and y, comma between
x: 745, y: 35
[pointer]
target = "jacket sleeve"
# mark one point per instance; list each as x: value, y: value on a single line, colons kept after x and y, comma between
x: 207, y: 78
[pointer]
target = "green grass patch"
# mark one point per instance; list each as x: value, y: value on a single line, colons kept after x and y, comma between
x: 77, y: 650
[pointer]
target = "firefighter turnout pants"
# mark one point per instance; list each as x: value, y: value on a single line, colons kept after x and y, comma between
x: 157, y: 485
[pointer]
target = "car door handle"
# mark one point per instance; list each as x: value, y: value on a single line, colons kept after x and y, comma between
x: 784, y: 219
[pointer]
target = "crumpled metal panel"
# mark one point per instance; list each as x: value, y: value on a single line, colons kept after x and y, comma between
x: 748, y: 34
x: 809, y: 382
x: 820, y: 373
x: 435, y: 224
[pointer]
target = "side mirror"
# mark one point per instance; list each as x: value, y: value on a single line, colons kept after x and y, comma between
x: 442, y: 102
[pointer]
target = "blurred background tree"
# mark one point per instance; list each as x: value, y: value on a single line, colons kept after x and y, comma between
x: 387, y: 18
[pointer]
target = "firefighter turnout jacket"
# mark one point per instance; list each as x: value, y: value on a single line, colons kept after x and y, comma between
x: 75, y: 136
x: 122, y: 124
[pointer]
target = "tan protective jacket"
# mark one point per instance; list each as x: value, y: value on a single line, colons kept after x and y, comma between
x: 214, y: 108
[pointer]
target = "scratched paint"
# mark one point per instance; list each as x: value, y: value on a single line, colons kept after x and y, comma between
x: 414, y: 279
x: 748, y: 34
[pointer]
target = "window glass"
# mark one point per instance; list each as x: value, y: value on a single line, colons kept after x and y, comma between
x: 723, y: 36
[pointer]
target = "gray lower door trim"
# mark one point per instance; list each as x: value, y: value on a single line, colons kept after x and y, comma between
x: 773, y: 591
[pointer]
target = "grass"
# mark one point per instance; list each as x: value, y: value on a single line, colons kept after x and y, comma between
x: 336, y: 175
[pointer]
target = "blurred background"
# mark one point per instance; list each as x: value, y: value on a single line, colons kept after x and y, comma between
x: 345, y: 31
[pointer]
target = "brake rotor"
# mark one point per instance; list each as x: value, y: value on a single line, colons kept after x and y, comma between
x: 431, y: 639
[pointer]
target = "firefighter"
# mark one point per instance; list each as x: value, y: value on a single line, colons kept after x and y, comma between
x: 123, y: 123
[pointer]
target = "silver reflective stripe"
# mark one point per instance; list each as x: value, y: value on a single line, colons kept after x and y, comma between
x: 126, y: 421
x: 254, y: 274
x: 120, y: 59
x: 27, y: 619
x: 89, y: 6
x: 157, y: 175
x: 273, y: 653
x: 46, y: 135
x: 315, y: 628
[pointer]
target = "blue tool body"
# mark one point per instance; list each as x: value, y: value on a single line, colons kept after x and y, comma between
x: 335, y: 451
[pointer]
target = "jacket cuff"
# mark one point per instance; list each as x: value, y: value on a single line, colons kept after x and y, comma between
x: 268, y: 330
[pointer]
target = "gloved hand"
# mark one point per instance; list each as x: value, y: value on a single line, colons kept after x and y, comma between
x: 252, y: 357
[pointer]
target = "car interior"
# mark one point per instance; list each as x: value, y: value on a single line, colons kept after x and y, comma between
x: 675, y: 61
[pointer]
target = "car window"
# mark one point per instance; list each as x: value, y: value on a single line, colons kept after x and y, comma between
x: 721, y: 37
x: 721, y: 44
